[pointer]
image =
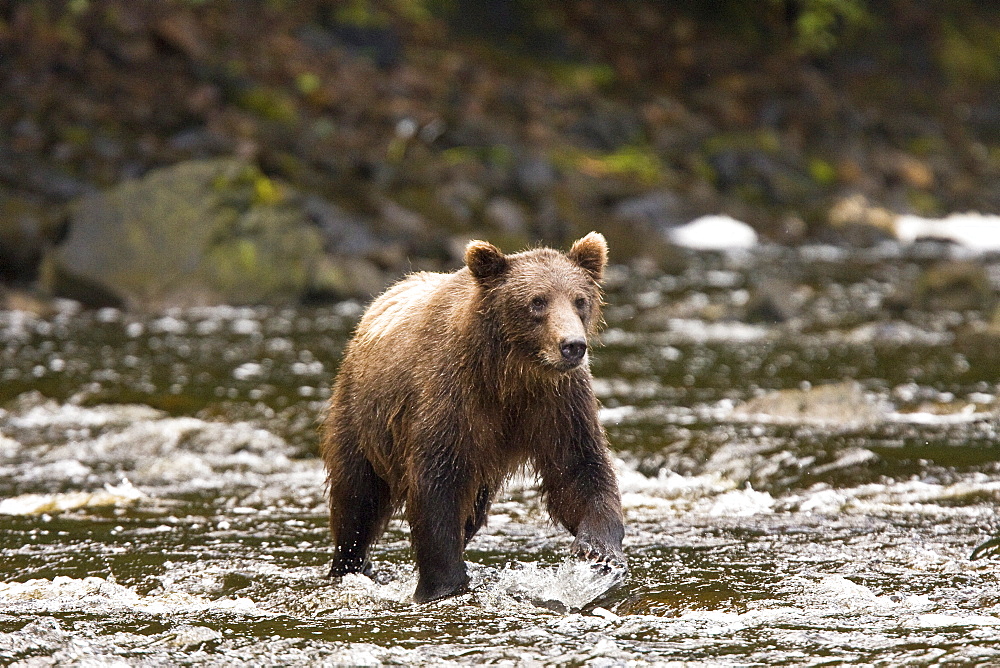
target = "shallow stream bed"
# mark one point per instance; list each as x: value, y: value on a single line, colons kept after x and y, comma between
x: 807, y: 460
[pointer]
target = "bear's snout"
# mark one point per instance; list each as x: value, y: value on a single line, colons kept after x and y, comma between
x: 573, y: 350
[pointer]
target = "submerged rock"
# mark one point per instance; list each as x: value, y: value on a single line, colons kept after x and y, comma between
x: 948, y: 285
x: 197, y: 233
x: 844, y: 403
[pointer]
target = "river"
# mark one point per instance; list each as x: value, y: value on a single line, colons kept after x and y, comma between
x: 803, y: 484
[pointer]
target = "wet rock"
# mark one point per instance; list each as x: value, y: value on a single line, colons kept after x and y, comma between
x: 33, y: 175
x: 844, y: 403
x: 198, y: 142
x: 26, y: 228
x: 462, y: 199
x: 857, y: 222
x: 26, y: 301
x: 506, y: 215
x: 656, y: 209
x: 193, y: 637
x: 182, y: 32
x: 200, y: 232
x: 400, y: 220
x: 349, y: 275
x: 380, y: 43
x: 343, y: 233
x: 946, y: 286
x: 775, y: 300
x: 607, y: 127
x: 534, y: 176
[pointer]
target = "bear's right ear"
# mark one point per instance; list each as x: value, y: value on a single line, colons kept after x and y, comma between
x: 485, y: 261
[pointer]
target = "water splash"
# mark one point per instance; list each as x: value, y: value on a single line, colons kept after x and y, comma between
x: 571, y: 586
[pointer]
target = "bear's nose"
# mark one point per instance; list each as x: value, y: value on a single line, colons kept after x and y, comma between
x: 573, y: 350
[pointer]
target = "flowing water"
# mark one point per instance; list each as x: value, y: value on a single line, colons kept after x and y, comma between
x: 800, y: 490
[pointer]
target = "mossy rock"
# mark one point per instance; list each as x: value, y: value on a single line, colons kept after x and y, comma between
x: 199, y: 232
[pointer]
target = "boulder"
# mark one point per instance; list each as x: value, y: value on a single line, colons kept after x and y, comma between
x: 197, y: 233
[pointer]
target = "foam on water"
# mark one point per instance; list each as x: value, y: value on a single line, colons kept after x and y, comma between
x: 36, y: 504
x: 98, y: 595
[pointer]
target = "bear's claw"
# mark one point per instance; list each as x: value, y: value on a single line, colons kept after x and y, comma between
x: 599, y: 558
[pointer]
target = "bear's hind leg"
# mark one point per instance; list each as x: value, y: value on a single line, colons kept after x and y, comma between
x: 360, y: 506
x: 478, y: 518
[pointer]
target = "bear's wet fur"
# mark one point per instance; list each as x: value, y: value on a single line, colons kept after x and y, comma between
x: 450, y: 384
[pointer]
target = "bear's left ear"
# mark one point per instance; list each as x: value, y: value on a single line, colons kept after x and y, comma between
x: 591, y: 253
x: 485, y: 261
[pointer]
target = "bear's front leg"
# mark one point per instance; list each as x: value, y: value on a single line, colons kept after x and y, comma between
x: 581, y: 489
x: 583, y: 496
x: 438, y: 535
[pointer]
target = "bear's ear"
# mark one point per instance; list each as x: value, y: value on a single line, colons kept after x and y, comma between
x: 485, y: 261
x: 591, y: 253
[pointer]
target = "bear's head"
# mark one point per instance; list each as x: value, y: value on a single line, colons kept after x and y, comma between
x: 543, y: 303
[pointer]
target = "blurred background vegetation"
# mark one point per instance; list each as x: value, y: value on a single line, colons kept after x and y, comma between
x: 363, y: 138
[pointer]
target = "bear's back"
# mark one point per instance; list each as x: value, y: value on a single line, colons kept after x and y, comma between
x: 406, y: 309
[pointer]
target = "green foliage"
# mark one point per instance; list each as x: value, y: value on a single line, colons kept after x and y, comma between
x: 819, y: 24
x: 970, y: 53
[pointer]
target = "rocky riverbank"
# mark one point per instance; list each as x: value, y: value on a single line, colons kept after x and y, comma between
x: 275, y: 151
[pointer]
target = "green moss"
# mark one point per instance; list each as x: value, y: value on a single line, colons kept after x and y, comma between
x: 925, y: 145
x: 499, y: 155
x: 582, y: 77
x: 766, y: 141
x: 459, y: 155
x: 702, y: 169
x: 266, y: 191
x: 970, y: 53
x: 631, y: 162
x: 270, y: 104
x: 821, y: 23
x: 822, y: 172
x: 308, y: 83
x: 77, y: 135
x: 924, y: 203
x: 361, y: 14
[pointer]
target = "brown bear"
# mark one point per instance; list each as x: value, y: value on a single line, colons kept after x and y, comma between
x: 450, y: 384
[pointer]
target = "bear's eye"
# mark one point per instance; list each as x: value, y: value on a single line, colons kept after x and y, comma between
x: 538, y: 304
x: 580, y: 303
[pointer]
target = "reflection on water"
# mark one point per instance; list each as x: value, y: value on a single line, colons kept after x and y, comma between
x: 800, y: 486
